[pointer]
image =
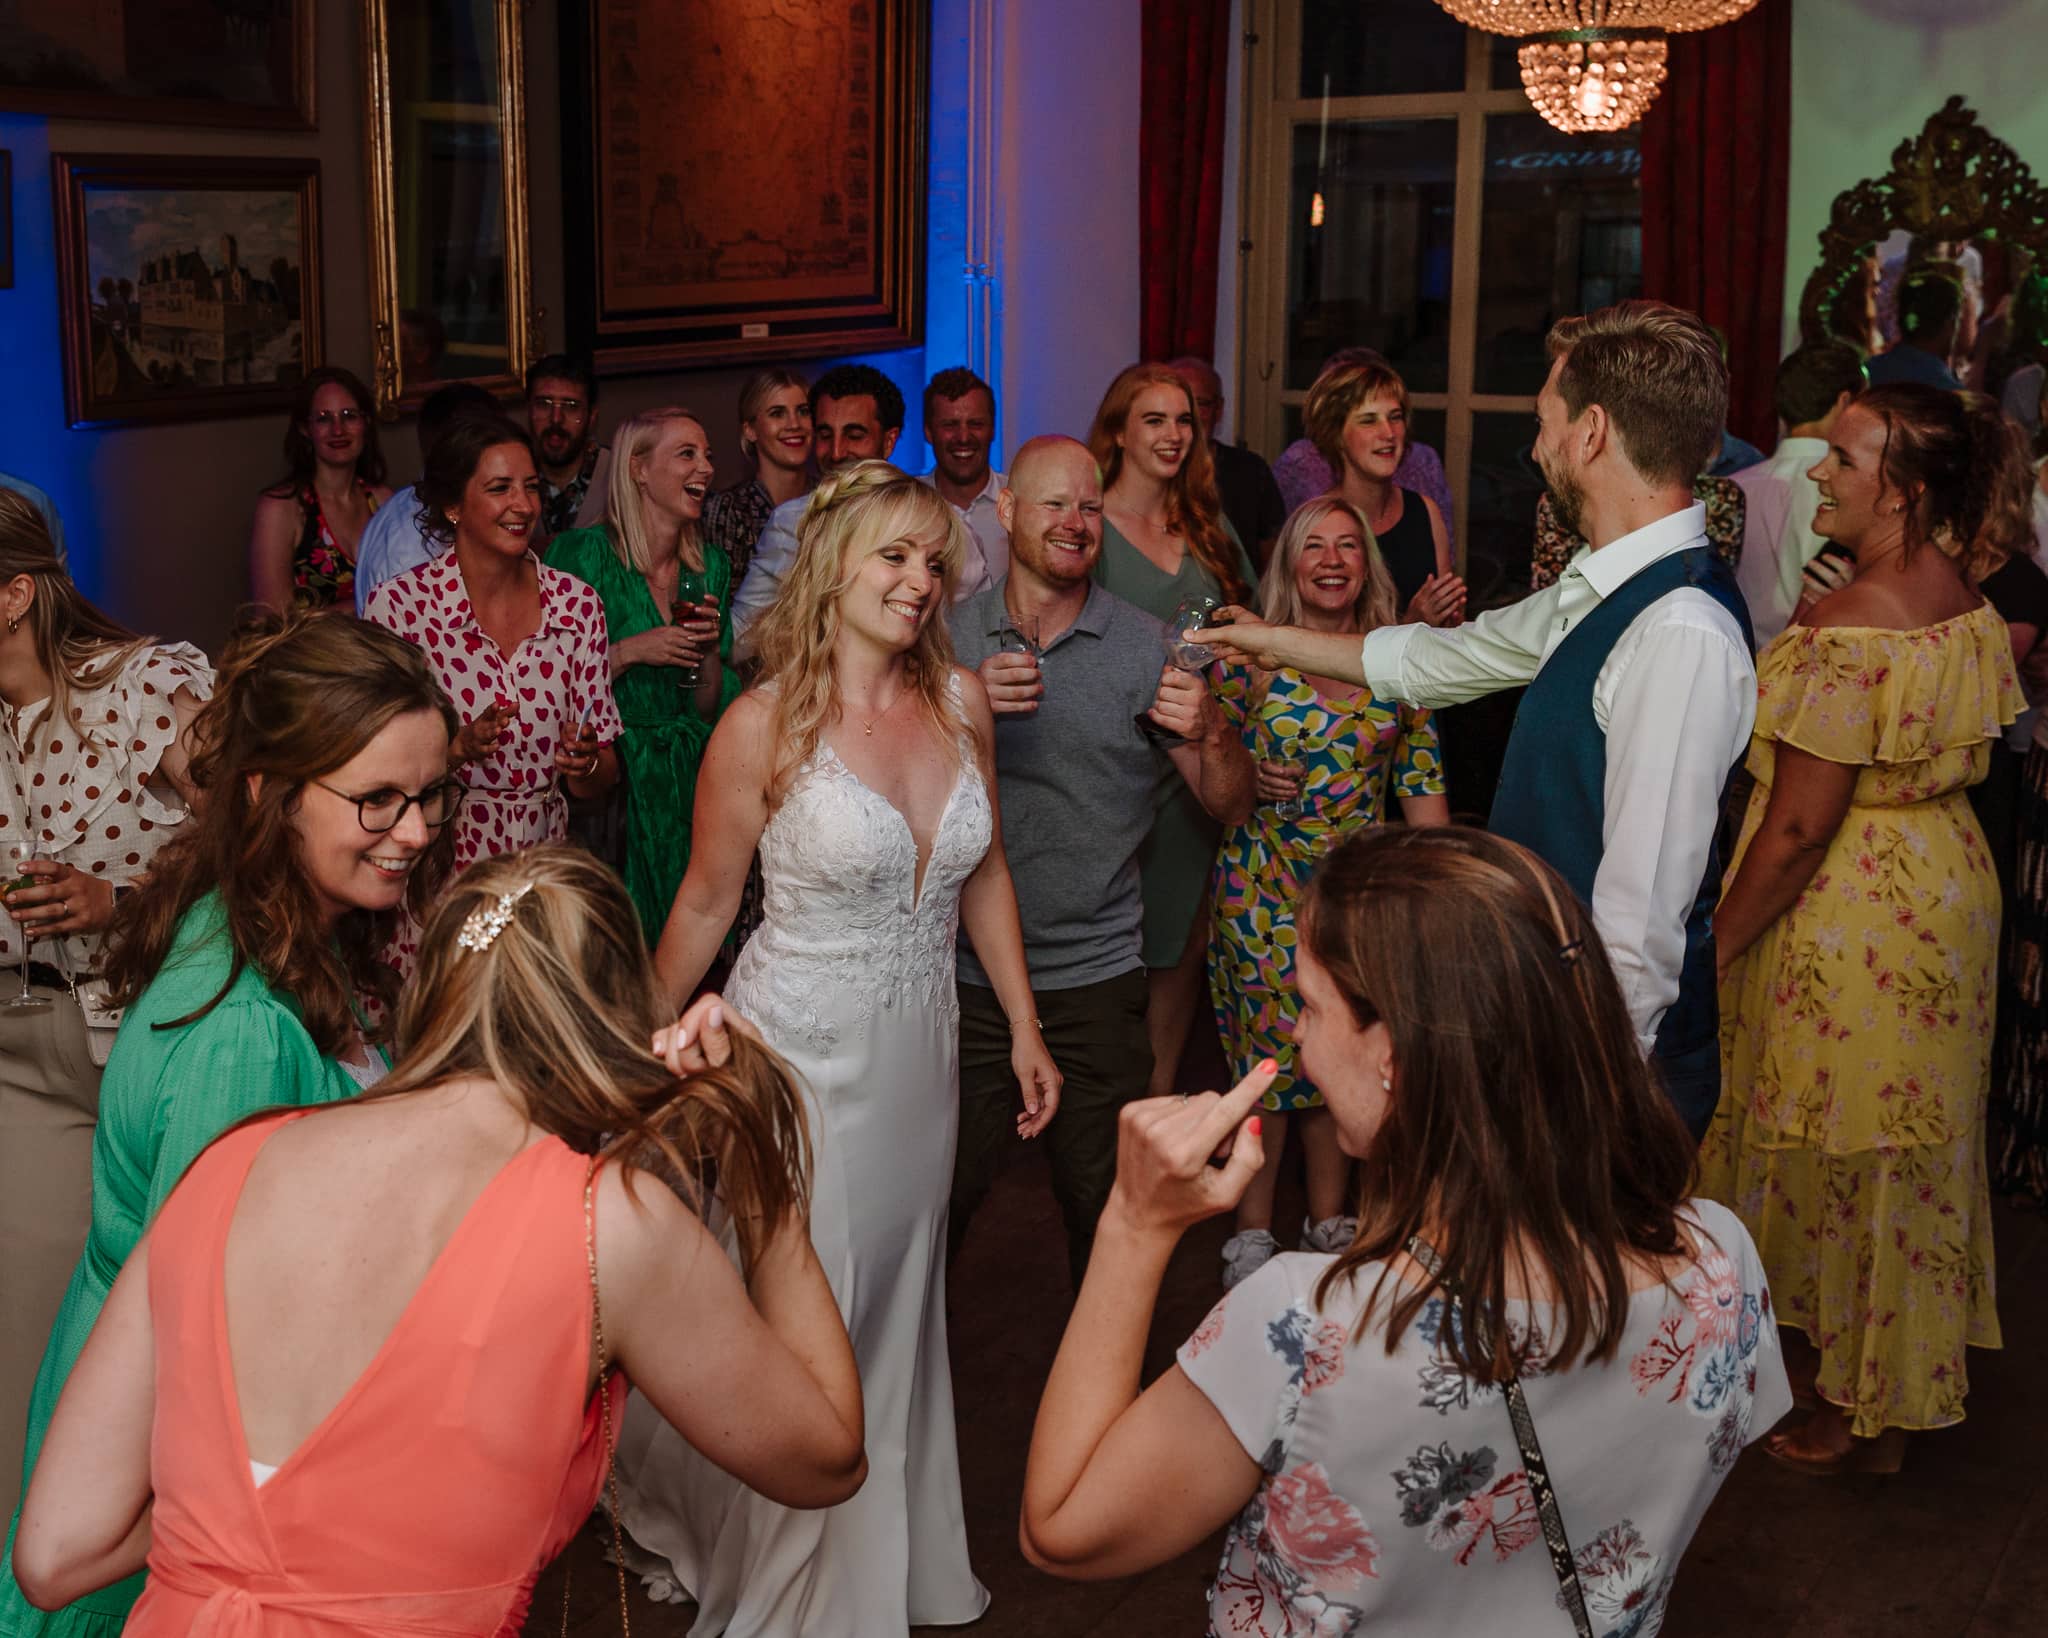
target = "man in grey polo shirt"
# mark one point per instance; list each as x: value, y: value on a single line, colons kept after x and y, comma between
x: 1075, y: 776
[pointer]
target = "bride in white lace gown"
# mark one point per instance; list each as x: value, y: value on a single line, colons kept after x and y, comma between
x: 861, y: 767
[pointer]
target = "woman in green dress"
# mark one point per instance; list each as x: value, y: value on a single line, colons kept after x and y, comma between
x: 1165, y: 539
x: 247, y: 961
x: 667, y: 596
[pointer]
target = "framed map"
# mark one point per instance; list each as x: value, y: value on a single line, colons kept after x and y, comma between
x: 743, y: 179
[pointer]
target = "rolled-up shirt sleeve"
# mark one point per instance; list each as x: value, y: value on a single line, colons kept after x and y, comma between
x: 1674, y: 730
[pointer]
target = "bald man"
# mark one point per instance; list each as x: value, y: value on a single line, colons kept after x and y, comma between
x: 1076, y: 778
x: 1251, y: 497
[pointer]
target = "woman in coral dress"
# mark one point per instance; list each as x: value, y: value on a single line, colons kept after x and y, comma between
x: 1858, y: 936
x: 358, y: 1378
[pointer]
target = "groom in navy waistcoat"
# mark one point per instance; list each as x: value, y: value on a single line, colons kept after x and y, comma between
x: 1639, y: 664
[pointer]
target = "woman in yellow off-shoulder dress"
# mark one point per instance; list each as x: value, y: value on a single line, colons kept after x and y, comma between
x: 1858, y: 936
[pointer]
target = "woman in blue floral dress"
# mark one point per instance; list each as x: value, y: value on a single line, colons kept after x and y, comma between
x: 1328, y: 754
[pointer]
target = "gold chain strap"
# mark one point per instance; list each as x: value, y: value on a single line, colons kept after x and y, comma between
x: 604, y: 1400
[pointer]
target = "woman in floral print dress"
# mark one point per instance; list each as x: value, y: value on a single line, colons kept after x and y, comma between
x: 1328, y: 755
x: 302, y: 543
x: 519, y: 647
x: 1343, y: 1413
x: 1858, y: 934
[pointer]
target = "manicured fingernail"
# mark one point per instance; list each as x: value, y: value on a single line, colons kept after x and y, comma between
x: 715, y: 1018
x: 1256, y: 1128
x: 682, y: 1035
x: 1269, y: 1066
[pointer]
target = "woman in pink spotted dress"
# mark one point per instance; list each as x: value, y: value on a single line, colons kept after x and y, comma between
x: 519, y: 647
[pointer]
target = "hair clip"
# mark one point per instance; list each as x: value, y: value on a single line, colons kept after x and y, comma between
x: 1569, y: 953
x: 484, y: 925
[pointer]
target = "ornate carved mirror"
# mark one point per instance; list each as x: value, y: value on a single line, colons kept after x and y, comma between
x: 447, y: 167
x: 1955, y: 195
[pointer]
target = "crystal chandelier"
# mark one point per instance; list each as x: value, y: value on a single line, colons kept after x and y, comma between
x: 1593, y: 65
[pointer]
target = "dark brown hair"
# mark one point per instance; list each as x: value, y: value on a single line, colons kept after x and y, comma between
x: 295, y: 698
x: 1658, y: 372
x: 1962, y: 468
x: 1525, y: 1134
x: 453, y: 461
x: 1193, y: 509
x: 560, y: 1006
x: 300, y: 457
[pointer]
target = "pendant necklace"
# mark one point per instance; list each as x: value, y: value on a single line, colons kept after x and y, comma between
x: 867, y: 727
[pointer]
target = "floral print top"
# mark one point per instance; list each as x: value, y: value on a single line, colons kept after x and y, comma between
x: 1556, y: 545
x: 1394, y: 1495
x: 323, y: 575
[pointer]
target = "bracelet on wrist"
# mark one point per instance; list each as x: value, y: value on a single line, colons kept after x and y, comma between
x: 1018, y: 1023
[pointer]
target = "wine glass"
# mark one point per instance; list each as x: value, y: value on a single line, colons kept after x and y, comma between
x: 684, y: 612
x: 1190, y: 614
x: 19, y: 854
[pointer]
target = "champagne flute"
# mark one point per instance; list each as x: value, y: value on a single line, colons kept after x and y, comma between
x: 19, y: 854
x: 1190, y: 614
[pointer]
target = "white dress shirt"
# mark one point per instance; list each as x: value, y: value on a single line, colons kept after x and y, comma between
x: 1778, y: 541
x: 988, y: 542
x: 391, y: 544
x: 1676, y: 700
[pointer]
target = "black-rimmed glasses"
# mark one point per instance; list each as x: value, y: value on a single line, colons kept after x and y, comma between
x: 382, y: 810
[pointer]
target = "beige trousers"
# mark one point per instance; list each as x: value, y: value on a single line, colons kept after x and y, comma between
x: 49, y: 1105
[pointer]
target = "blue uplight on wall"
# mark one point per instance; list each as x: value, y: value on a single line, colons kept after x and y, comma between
x: 35, y: 441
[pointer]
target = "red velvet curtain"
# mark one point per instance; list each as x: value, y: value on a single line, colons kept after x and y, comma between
x: 1186, y: 72
x: 1716, y: 151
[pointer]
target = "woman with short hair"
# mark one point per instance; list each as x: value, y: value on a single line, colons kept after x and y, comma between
x: 1532, y: 1315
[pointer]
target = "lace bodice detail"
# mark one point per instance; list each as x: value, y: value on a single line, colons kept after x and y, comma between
x: 847, y: 932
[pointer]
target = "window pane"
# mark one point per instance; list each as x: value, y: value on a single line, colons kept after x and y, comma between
x: 1370, y: 48
x: 1561, y: 232
x: 1507, y: 69
x: 1369, y: 245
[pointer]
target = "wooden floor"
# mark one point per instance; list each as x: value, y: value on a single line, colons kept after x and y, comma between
x: 1955, y: 1545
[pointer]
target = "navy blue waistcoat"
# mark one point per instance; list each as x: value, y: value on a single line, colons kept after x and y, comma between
x: 1553, y: 783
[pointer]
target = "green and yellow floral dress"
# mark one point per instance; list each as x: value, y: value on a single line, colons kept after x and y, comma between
x: 665, y: 734
x: 1856, y: 1031
x: 1359, y: 750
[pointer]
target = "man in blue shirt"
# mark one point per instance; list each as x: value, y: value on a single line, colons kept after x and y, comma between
x: 1930, y: 309
x: 392, y: 541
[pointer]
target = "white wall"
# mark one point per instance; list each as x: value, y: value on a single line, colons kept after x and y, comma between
x: 1067, y: 208
x: 1867, y: 73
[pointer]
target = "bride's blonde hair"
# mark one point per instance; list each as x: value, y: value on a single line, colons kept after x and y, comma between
x: 856, y: 512
x: 559, y: 1007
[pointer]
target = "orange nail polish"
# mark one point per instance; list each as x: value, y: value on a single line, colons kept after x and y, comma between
x: 1269, y: 1066
x: 1256, y: 1128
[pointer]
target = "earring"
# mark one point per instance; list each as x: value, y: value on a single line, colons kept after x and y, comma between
x: 13, y: 620
x: 1386, y: 1083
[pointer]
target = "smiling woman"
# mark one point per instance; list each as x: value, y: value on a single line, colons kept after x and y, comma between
x: 321, y: 767
x: 519, y: 647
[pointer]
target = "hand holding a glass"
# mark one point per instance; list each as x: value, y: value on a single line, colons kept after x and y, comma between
x: 1182, y: 708
x: 1283, y: 784
x: 32, y: 920
x: 696, y: 625
x: 1014, y: 675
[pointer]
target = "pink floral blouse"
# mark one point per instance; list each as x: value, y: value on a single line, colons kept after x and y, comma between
x: 1394, y: 1495
x: 515, y: 797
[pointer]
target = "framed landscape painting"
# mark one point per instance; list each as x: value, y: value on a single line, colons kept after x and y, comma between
x: 743, y: 181
x: 174, y: 62
x: 185, y: 287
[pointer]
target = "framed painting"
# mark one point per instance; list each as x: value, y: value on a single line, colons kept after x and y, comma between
x: 743, y: 181
x: 172, y: 62
x: 185, y: 287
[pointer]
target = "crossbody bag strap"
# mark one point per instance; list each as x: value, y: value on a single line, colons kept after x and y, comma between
x: 604, y: 1399
x: 1562, y: 1563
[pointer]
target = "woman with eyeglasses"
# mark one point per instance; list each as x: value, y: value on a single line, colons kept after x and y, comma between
x: 92, y: 783
x: 248, y: 961
x: 302, y: 546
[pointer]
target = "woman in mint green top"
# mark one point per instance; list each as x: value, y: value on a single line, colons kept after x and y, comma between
x: 1164, y: 539
x: 646, y: 562
x: 247, y: 960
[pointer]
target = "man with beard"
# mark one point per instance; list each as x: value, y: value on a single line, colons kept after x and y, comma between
x: 856, y: 415
x: 1076, y: 778
x: 575, y: 470
x: 1639, y: 665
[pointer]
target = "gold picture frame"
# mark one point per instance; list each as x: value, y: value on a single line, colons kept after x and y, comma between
x: 448, y: 159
